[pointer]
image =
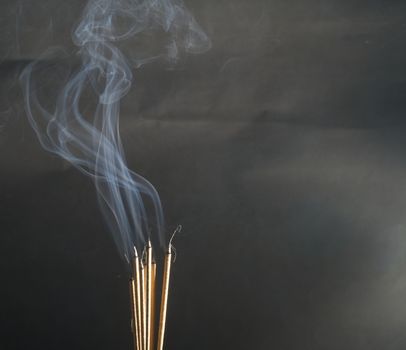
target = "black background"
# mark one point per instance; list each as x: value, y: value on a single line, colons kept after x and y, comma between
x: 282, y: 153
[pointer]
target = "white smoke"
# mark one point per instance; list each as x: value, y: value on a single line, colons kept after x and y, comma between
x: 90, y: 140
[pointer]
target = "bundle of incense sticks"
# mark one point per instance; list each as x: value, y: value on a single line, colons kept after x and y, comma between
x: 143, y: 293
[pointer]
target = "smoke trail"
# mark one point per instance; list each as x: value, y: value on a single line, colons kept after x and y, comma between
x: 91, y: 141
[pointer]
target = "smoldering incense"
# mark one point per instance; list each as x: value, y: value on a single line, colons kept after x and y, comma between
x: 64, y: 128
x: 143, y: 292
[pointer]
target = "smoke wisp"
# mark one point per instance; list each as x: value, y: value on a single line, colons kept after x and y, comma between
x: 89, y: 138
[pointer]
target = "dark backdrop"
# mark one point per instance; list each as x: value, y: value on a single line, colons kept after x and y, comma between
x: 281, y: 151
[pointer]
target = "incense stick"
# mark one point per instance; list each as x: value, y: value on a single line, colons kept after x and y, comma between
x: 138, y: 300
x: 134, y: 325
x: 143, y: 291
x: 148, y: 295
x: 153, y: 306
x: 143, y: 307
x: 164, y: 297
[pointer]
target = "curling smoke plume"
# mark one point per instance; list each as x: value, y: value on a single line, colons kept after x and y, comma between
x: 90, y: 140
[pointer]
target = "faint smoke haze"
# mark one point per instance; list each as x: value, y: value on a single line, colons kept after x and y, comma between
x: 87, y: 135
